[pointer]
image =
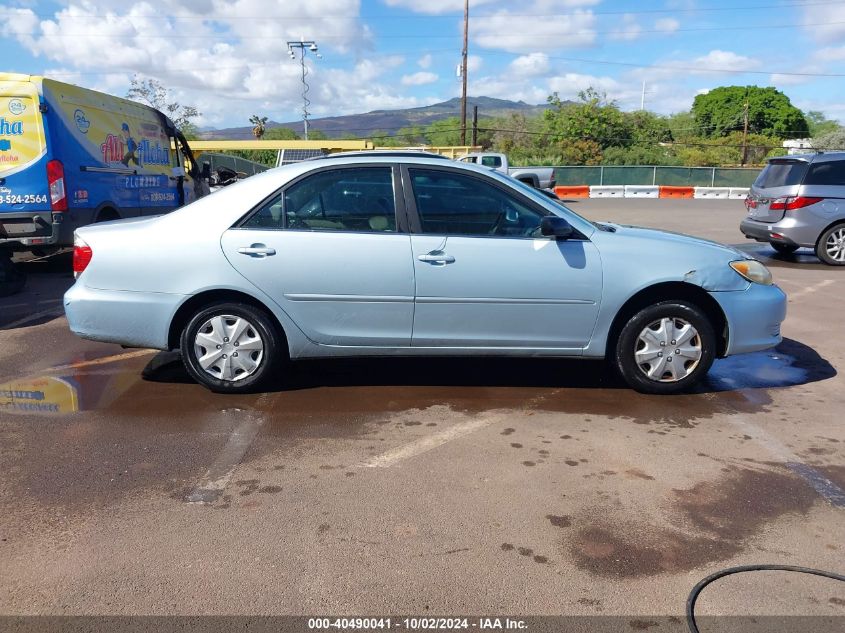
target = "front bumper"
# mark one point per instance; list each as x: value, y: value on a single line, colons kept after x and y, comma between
x: 754, y: 317
x: 133, y: 319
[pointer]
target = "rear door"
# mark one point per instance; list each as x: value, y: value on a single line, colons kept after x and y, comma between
x: 23, y: 149
x: 329, y: 250
x: 780, y: 178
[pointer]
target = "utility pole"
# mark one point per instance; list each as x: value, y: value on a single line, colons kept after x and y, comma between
x: 744, y: 134
x: 642, y: 98
x: 464, y: 76
x: 474, y: 126
x: 304, y: 46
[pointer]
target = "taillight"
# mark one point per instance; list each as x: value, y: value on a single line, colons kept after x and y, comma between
x: 801, y: 202
x: 56, y: 183
x: 790, y: 204
x: 82, y: 255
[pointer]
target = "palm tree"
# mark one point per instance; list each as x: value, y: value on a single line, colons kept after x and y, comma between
x: 258, y: 125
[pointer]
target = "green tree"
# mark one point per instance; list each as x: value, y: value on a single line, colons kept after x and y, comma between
x: 593, y: 118
x: 646, y: 128
x: 819, y: 124
x: 444, y: 132
x: 831, y: 141
x: 153, y: 93
x: 267, y: 156
x: 770, y: 112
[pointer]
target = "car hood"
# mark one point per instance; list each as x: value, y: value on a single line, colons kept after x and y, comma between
x: 661, y: 235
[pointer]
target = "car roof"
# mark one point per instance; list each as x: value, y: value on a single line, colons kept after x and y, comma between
x: 817, y: 157
x: 373, y: 153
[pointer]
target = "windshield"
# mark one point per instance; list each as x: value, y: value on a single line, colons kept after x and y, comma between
x: 781, y: 173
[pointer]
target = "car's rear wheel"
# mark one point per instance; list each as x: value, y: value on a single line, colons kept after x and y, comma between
x: 666, y: 348
x: 231, y: 348
x: 784, y: 249
x: 831, y: 246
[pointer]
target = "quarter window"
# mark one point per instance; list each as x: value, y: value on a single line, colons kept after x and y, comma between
x: 357, y: 199
x: 826, y: 173
x: 456, y: 204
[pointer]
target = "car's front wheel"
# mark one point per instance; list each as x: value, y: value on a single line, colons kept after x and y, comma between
x: 665, y: 348
x: 231, y: 347
x: 831, y: 246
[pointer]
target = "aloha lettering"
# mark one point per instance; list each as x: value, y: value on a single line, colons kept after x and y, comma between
x: 10, y: 128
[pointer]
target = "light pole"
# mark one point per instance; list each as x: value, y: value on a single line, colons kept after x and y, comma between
x: 304, y: 46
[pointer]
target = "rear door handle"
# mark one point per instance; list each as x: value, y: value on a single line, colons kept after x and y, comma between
x: 436, y: 258
x: 257, y: 250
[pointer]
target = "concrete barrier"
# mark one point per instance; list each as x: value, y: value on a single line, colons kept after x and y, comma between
x: 738, y: 193
x: 641, y: 191
x: 570, y: 191
x: 607, y: 191
x: 676, y: 192
x: 712, y: 193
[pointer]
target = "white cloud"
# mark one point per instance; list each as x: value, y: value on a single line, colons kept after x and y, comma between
x: 630, y: 29
x: 830, y: 54
x: 425, y: 61
x: 437, y: 7
x: 714, y: 64
x: 825, y: 22
x: 520, y: 30
x: 474, y: 63
x: 532, y: 65
x: 419, y: 79
x: 667, y: 25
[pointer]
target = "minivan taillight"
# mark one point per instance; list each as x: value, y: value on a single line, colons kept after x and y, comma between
x: 790, y: 204
x: 82, y: 255
x: 56, y: 183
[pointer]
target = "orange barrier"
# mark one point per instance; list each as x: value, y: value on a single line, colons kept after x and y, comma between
x: 580, y: 191
x: 676, y: 192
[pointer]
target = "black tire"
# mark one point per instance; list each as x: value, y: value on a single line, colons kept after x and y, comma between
x: 821, y: 246
x: 628, y: 342
x: 12, y: 278
x: 270, y: 360
x: 784, y: 249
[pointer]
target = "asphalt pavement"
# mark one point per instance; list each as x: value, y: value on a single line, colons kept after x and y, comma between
x: 426, y: 486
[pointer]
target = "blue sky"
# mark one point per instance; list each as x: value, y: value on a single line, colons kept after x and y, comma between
x: 229, y: 57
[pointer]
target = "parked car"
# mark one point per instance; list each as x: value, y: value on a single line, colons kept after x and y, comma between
x: 413, y: 256
x: 799, y: 201
x: 537, y: 177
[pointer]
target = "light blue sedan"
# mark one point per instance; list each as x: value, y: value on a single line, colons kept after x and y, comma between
x: 387, y: 255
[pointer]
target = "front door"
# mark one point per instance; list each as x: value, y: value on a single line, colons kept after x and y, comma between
x: 485, y: 277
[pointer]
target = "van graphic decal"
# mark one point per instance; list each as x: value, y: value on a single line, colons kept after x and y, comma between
x: 10, y: 128
x: 16, y: 107
x: 82, y: 123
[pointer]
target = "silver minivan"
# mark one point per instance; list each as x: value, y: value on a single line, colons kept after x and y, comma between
x: 800, y: 201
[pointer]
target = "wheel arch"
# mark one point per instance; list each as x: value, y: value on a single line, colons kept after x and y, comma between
x: 667, y: 291
x: 209, y: 297
x: 827, y: 228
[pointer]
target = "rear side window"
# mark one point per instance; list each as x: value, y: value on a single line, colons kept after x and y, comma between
x: 491, y: 161
x: 781, y: 173
x: 828, y: 173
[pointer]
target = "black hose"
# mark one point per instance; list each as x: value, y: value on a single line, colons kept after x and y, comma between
x: 693, y: 596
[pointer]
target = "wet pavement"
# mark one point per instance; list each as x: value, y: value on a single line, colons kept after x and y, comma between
x: 423, y: 486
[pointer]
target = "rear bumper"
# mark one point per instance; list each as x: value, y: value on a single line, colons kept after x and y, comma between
x: 793, y: 229
x: 134, y: 319
x: 34, y: 229
x: 754, y: 316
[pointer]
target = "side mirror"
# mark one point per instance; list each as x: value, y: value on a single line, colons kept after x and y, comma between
x: 553, y: 225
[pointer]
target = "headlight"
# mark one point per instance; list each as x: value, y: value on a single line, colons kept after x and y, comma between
x: 753, y: 271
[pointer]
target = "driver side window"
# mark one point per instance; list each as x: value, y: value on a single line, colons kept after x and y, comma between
x: 456, y: 204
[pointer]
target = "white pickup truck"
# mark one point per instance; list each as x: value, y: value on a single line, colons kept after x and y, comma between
x: 537, y: 177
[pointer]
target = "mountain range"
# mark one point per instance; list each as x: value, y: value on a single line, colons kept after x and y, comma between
x: 388, y: 121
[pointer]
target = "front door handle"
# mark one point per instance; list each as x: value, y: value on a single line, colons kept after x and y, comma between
x: 257, y: 250
x: 436, y: 257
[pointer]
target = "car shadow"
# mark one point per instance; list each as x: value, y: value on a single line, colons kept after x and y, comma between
x: 789, y: 364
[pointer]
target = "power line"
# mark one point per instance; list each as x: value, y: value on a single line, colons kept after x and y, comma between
x: 510, y: 34
x: 217, y: 17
